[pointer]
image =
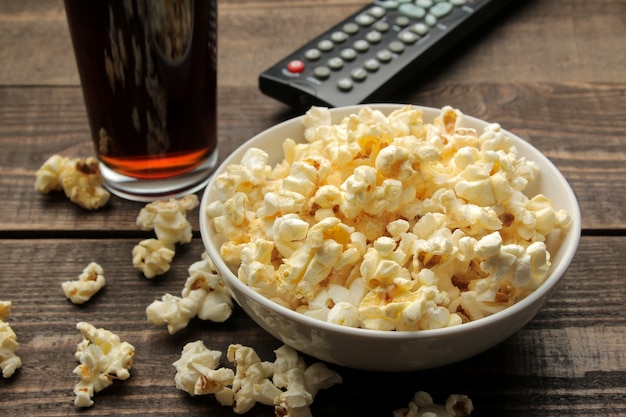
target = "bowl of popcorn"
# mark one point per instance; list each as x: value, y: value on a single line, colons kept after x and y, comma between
x: 389, y: 237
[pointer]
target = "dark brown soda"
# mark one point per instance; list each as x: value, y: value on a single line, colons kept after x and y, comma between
x: 148, y: 72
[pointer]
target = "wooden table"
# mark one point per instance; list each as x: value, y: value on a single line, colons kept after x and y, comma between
x: 551, y: 71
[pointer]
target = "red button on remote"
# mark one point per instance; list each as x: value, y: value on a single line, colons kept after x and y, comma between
x: 296, y: 66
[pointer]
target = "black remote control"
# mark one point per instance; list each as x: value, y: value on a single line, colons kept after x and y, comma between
x: 374, y: 51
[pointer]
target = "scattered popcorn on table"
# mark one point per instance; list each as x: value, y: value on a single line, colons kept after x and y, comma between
x: 89, y: 282
x: 387, y: 222
x: 80, y: 179
x: 168, y: 219
x: 204, y: 295
x: 103, y: 358
x: 422, y: 406
x: 287, y: 384
x: 9, y: 361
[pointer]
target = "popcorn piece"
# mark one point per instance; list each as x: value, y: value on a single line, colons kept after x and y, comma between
x: 89, y: 282
x: 204, y: 295
x: 430, y: 221
x: 170, y: 224
x: 287, y: 384
x: 9, y: 361
x: 80, y: 179
x: 302, y: 383
x: 168, y: 219
x: 152, y: 257
x: 251, y: 383
x: 103, y: 358
x: 197, y: 371
x: 422, y: 405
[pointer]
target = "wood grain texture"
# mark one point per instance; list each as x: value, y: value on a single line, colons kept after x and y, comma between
x: 569, y: 360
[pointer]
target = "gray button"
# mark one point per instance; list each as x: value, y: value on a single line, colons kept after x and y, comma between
x: 396, y: 46
x: 373, y: 36
x: 348, y: 54
x: 420, y: 28
x: 384, y: 56
x: 361, y: 45
x: 402, y: 21
x: 325, y: 45
x: 358, y: 74
x: 351, y: 28
x: 312, y: 54
x: 345, y: 84
x: 338, y: 36
x: 377, y: 12
x: 424, y: 3
x: 457, y: 2
x: 381, y: 26
x: 364, y: 19
x: 408, y: 37
x: 371, y: 65
x: 389, y: 4
x: 335, y: 63
x: 321, y: 72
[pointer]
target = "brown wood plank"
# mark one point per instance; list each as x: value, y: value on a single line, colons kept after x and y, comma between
x: 589, y: 150
x: 569, y: 360
x: 509, y: 50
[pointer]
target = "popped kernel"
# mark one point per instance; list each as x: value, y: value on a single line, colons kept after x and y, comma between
x: 89, y: 282
x: 388, y: 222
x: 9, y: 361
x: 80, y: 179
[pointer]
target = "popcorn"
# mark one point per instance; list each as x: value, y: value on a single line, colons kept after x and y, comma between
x: 152, y: 257
x: 103, y: 358
x: 422, y: 405
x: 80, y: 179
x: 386, y: 222
x: 9, y: 361
x: 89, y: 282
x: 197, y: 371
x: 204, y: 295
x: 168, y: 220
x: 288, y: 384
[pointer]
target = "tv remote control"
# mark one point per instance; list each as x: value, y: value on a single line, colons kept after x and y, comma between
x: 374, y: 51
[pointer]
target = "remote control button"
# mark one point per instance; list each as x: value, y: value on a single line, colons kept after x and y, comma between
x: 338, y: 37
x: 345, y: 84
x: 430, y: 20
x: 358, y: 74
x: 371, y: 65
x: 384, y: 56
x: 364, y: 19
x: 295, y: 67
x: 412, y: 10
x: 457, y: 2
x: 351, y: 28
x: 325, y: 45
x: 321, y: 73
x: 376, y: 12
x: 361, y: 45
x: 389, y: 4
x: 313, y: 54
x: 373, y: 36
x: 408, y: 37
x: 402, y: 21
x: 426, y: 4
x: 440, y: 10
x: 420, y: 28
x: 335, y: 63
x: 348, y: 54
x: 381, y: 26
x: 396, y: 46
x: 405, y: 1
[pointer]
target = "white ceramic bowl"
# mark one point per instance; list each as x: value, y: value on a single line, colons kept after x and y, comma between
x: 395, y: 350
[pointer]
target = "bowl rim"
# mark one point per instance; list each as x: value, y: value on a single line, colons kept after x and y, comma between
x: 554, y: 275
